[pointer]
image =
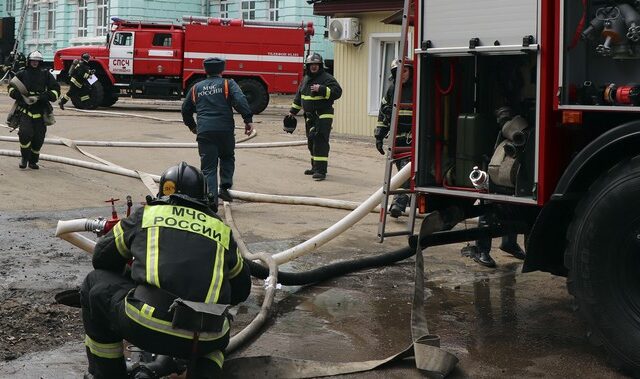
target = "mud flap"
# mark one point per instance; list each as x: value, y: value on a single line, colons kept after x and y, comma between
x: 429, y: 357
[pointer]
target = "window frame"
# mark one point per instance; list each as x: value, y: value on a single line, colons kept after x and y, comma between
x: 82, y: 19
x: 249, y: 11
x: 10, y: 7
x: 35, y: 20
x: 51, y: 19
x: 274, y: 10
x: 102, y: 18
x: 224, y: 9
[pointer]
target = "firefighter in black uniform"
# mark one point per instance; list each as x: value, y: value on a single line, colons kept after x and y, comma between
x: 14, y: 63
x: 33, y: 89
x: 79, y: 73
x: 178, y: 248
x: 403, y: 133
x: 315, y: 96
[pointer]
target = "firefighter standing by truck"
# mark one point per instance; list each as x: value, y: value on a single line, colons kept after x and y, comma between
x: 403, y: 132
x: 79, y: 73
x: 315, y: 97
x: 213, y: 99
x: 171, y: 240
x: 33, y: 89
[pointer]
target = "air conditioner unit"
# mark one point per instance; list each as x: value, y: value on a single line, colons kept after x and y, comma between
x: 344, y: 30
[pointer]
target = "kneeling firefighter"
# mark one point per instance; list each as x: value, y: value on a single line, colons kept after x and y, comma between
x: 79, y: 87
x: 179, y: 248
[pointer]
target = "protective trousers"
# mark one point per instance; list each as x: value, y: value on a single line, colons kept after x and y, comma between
x: 402, y: 200
x: 82, y: 93
x: 31, y: 135
x: 106, y: 325
x: 318, y: 130
x: 214, y: 146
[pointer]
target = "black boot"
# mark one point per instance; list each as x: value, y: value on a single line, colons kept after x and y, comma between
x: 33, y: 165
x: 395, y: 211
x: 514, y: 249
x: 310, y: 171
x: 484, y: 258
x: 318, y: 176
x: 23, y: 163
x: 62, y: 102
x: 225, y: 195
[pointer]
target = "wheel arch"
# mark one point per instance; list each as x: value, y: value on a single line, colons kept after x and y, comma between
x: 547, y: 239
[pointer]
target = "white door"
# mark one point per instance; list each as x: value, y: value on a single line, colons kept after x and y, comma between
x: 121, y: 53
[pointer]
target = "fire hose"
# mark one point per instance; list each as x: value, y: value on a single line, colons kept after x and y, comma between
x: 68, y: 231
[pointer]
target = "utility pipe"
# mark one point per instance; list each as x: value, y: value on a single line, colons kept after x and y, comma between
x: 58, y: 141
x: 342, y: 225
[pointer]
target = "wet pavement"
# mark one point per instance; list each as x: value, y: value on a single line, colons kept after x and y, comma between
x: 498, y: 322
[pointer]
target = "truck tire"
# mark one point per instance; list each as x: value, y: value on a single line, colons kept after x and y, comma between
x: 256, y: 94
x: 109, y: 99
x: 97, y: 96
x: 603, y: 258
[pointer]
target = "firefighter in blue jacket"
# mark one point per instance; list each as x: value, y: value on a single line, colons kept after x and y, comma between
x: 315, y: 97
x: 214, y: 99
x: 178, y: 248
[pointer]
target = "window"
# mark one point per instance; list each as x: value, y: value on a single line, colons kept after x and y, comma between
x: 274, y: 7
x: 123, y: 39
x: 10, y: 6
x: 35, y: 20
x: 51, y: 20
x: 162, y: 40
x: 224, y: 9
x: 82, y: 18
x: 248, y: 10
x: 102, y: 17
x: 385, y: 48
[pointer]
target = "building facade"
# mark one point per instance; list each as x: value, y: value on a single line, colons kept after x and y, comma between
x: 363, y: 68
x: 49, y: 25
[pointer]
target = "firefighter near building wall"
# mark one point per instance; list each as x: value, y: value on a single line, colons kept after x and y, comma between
x: 403, y: 133
x: 32, y: 89
x: 15, y: 62
x: 214, y: 99
x: 79, y: 86
x: 315, y: 97
x: 179, y: 248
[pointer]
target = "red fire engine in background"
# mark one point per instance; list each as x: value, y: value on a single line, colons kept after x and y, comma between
x: 527, y: 113
x: 162, y: 61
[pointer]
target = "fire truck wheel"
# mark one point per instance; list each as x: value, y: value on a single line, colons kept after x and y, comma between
x: 96, y: 97
x: 256, y: 94
x: 109, y: 99
x: 603, y: 258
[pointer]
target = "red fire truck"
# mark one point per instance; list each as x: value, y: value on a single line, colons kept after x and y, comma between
x: 161, y: 61
x: 527, y: 113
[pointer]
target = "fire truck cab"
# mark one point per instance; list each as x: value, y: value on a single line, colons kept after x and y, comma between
x: 162, y: 60
x: 527, y: 113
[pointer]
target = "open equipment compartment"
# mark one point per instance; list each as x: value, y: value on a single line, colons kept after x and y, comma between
x: 477, y: 91
x: 600, y: 52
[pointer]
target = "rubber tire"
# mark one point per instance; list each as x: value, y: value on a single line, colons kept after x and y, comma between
x: 603, y: 258
x: 97, y: 96
x: 256, y: 94
x: 108, y: 100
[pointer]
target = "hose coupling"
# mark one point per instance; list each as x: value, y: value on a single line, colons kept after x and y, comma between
x: 479, y: 179
x: 96, y: 225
